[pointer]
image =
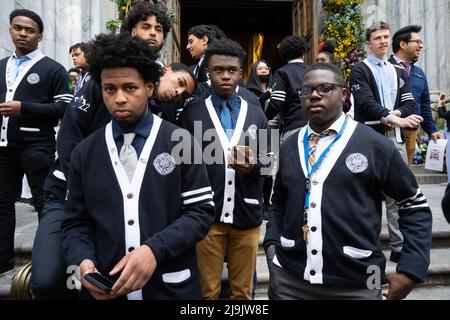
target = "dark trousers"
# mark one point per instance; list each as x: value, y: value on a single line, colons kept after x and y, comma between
x: 49, y: 277
x: 35, y: 162
x: 286, y: 286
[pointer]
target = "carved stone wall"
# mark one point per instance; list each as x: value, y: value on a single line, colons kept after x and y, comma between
x: 434, y: 17
x: 65, y: 22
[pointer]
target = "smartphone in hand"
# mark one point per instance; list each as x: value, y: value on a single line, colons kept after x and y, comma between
x: 100, y: 281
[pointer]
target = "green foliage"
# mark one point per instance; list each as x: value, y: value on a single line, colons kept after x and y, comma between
x: 124, y: 6
x: 344, y: 23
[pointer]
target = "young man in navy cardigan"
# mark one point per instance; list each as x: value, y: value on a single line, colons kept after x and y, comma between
x: 137, y: 225
x: 322, y: 238
x: 224, y: 122
x: 34, y: 93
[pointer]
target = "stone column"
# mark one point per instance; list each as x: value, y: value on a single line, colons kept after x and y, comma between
x: 66, y: 22
x: 6, y: 46
x: 434, y: 18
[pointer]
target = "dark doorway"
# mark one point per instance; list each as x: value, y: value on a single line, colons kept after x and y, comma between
x: 240, y: 20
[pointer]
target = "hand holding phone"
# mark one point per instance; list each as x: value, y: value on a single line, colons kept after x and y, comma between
x: 100, y: 281
x: 241, y: 159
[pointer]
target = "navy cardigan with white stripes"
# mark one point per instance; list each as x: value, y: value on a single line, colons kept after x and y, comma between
x: 367, y: 101
x: 237, y: 196
x: 345, y: 211
x: 284, y: 99
x: 45, y: 94
x: 172, y: 211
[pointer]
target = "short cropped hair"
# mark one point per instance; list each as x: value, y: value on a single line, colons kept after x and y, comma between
x: 181, y: 67
x: 178, y: 66
x: 141, y: 11
x: 329, y: 67
x: 83, y: 46
x: 211, y: 31
x: 122, y: 51
x: 225, y: 48
x: 74, y: 70
x: 29, y: 14
x: 404, y: 34
x: 380, y: 25
x: 292, y: 47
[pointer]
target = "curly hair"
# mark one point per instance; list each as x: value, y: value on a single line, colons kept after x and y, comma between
x: 29, y: 14
x: 211, y: 31
x: 181, y: 67
x: 226, y: 48
x: 122, y: 51
x: 83, y: 46
x: 141, y: 11
x: 292, y: 47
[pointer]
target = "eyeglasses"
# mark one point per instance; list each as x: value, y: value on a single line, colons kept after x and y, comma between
x: 323, y: 89
x: 418, y: 41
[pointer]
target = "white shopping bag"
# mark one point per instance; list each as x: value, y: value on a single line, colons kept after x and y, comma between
x: 435, y: 155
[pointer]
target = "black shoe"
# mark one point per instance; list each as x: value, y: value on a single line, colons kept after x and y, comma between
x: 25, y: 200
x: 395, y: 256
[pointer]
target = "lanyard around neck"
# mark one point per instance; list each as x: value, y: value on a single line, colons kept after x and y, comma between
x: 319, y: 161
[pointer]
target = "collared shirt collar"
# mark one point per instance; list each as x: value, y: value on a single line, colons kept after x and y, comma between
x: 296, y: 60
x: 143, y: 127
x: 398, y: 59
x: 234, y: 101
x: 336, y: 126
x: 376, y: 61
x: 30, y: 56
x: 403, y: 63
x: 158, y: 61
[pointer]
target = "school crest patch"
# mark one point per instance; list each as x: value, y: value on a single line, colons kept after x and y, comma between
x: 164, y: 164
x: 357, y: 163
x: 33, y: 78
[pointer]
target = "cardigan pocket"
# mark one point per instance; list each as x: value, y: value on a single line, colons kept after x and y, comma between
x: 251, y: 201
x: 26, y: 129
x: 176, y: 277
x: 287, y: 243
x: 357, y: 253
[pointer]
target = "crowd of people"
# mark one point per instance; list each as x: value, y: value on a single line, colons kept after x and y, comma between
x: 165, y: 172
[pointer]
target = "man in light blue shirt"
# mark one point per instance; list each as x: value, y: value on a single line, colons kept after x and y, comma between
x: 383, y: 100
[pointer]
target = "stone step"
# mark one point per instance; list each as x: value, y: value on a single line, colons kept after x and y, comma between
x: 439, y: 292
x: 420, y: 169
x: 424, y: 176
x: 433, y: 178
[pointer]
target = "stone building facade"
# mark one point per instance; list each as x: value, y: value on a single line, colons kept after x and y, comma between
x: 434, y: 17
x: 65, y: 22
x: 71, y: 21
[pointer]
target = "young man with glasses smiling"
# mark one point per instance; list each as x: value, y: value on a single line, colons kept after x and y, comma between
x: 337, y: 169
x: 407, y: 45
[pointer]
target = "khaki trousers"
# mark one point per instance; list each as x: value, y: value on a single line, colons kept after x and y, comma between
x: 410, y: 142
x: 241, y: 247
